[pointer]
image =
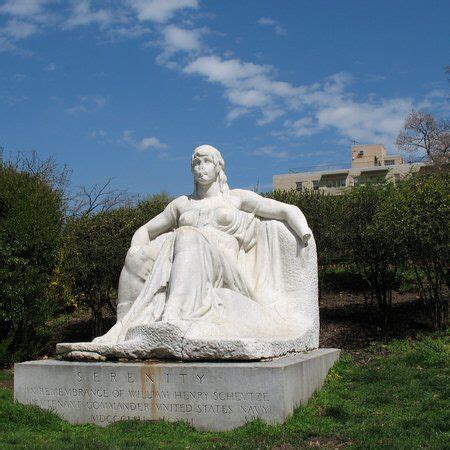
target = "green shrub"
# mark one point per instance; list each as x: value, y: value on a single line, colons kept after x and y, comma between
x: 30, y: 224
x: 416, y: 217
x: 94, y: 252
x: 324, y: 214
x: 367, y: 243
x: 344, y: 277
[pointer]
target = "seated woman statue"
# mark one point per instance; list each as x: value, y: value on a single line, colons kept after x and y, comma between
x: 220, y: 274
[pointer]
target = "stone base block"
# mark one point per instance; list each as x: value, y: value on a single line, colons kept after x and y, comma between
x: 211, y: 396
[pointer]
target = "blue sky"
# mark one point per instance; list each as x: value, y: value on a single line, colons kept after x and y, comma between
x: 126, y: 89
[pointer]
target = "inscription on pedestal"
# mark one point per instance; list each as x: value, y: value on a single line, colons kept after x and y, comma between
x: 160, y: 400
x: 214, y: 396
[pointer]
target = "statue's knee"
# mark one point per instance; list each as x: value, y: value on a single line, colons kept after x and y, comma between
x: 186, y: 238
x: 139, y: 260
x: 132, y: 261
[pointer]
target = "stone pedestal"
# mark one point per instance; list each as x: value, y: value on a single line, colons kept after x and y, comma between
x: 213, y: 396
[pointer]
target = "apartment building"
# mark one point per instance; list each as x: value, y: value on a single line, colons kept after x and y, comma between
x: 369, y: 163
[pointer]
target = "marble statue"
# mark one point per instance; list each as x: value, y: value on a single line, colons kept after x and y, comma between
x: 219, y: 274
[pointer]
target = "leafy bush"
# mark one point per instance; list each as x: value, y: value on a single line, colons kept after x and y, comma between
x: 416, y: 217
x: 30, y: 224
x: 343, y: 277
x: 348, y: 238
x: 324, y: 214
x: 368, y: 244
x: 94, y: 251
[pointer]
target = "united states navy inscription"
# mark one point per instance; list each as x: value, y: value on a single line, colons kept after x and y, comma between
x: 146, y: 394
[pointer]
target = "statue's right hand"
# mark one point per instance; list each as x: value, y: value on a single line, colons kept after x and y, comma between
x: 306, y: 237
x: 140, y: 259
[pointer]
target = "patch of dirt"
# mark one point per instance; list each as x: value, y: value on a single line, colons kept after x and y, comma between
x: 348, y: 323
x: 326, y: 442
x: 76, y: 329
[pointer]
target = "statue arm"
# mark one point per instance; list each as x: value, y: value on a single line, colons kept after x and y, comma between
x: 272, y: 209
x: 160, y: 224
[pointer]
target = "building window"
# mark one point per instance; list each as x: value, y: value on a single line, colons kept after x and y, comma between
x: 389, y: 162
x: 299, y: 185
x: 369, y: 179
x: 316, y: 185
x: 336, y: 182
x: 397, y: 177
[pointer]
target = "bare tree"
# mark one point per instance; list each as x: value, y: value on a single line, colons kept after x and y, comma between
x: 99, y: 198
x: 424, y: 135
x: 47, y: 170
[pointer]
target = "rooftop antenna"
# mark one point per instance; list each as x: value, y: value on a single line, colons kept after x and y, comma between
x: 256, y: 187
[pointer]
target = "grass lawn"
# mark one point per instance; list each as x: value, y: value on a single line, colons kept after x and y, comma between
x: 399, y: 398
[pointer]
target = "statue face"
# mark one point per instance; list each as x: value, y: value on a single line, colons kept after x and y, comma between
x: 204, y: 169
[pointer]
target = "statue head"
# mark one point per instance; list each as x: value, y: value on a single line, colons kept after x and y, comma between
x: 209, y: 153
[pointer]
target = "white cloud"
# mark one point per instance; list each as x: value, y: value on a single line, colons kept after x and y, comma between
x: 7, y: 46
x: 271, y: 152
x: 143, y: 144
x: 87, y: 104
x: 269, y: 115
x: 176, y: 39
x: 150, y: 142
x: 127, y: 138
x: 98, y: 134
x: 23, y: 8
x: 83, y: 15
x: 436, y: 100
x: 127, y: 31
x: 302, y: 127
x: 227, y: 72
x: 180, y: 39
x: 26, y: 18
x: 326, y: 106
x: 235, y: 113
x: 332, y: 107
x: 248, y: 98
x: 19, y: 29
x: 248, y: 86
x: 367, y: 122
x: 267, y: 22
x: 160, y: 10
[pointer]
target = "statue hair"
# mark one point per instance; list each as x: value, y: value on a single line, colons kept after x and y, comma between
x: 218, y: 161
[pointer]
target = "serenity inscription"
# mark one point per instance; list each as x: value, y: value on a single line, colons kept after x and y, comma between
x: 144, y: 392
